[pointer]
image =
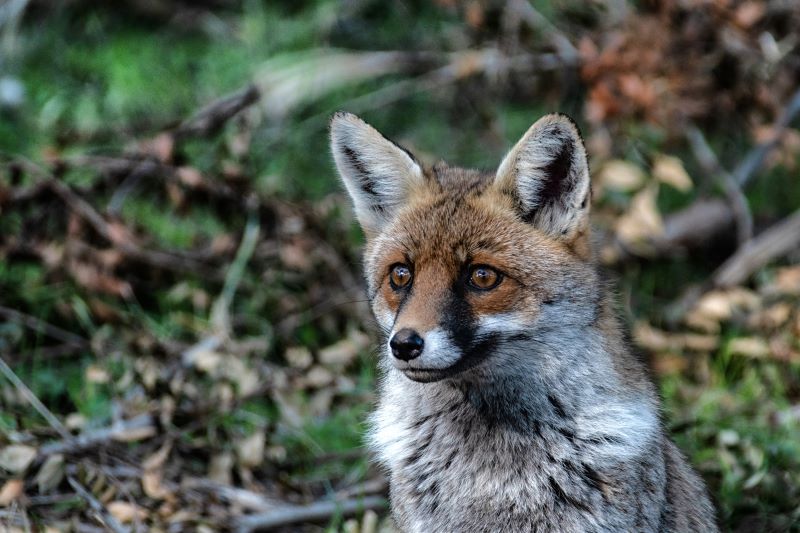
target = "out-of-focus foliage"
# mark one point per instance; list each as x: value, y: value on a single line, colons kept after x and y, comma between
x: 185, y: 292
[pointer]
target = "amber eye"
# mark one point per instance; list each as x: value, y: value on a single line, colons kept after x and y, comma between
x: 484, y: 278
x: 399, y: 276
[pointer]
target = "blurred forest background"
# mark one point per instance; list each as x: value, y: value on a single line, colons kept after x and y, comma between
x: 183, y: 331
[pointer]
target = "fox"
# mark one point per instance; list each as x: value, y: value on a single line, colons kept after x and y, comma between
x: 509, y: 397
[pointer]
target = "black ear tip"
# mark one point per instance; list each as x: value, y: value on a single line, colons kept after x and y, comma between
x: 343, y: 116
x: 563, y: 117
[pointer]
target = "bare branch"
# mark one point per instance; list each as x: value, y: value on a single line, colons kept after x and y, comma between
x: 708, y: 160
x: 772, y: 244
x: 41, y: 326
x: 317, y: 511
x: 121, y: 430
x: 212, y: 117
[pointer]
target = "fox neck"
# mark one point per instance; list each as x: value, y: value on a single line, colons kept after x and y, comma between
x: 577, y: 400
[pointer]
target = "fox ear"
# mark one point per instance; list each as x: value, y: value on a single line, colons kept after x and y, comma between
x: 548, y: 174
x: 378, y: 174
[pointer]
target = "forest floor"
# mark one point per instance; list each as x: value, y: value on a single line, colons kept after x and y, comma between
x: 184, y: 335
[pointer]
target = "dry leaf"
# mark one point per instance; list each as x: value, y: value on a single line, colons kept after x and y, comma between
x: 220, y: 468
x: 318, y: 376
x: 755, y: 347
x: 339, y: 354
x: 50, y: 474
x: 786, y: 282
x: 157, y: 459
x: 151, y: 485
x: 298, y: 357
x: 642, y: 220
x: 251, y: 449
x: 126, y: 512
x: 17, y: 457
x: 669, y: 169
x: 620, y: 175
x: 12, y: 490
x: 95, y: 374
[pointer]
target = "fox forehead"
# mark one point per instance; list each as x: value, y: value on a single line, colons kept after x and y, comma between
x: 459, y: 219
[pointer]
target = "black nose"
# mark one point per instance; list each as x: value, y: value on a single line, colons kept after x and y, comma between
x: 406, y: 344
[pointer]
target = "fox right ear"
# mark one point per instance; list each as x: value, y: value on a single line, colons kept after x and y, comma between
x: 377, y: 173
x: 548, y: 175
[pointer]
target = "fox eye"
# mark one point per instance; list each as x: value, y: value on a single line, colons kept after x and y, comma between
x: 484, y: 278
x: 399, y: 276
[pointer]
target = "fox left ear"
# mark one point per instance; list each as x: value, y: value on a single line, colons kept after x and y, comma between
x: 548, y: 175
x: 378, y: 174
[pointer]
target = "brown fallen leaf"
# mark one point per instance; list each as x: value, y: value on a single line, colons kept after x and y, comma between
x: 754, y: 347
x: 12, y: 490
x: 126, y: 512
x: 669, y: 169
x: 620, y: 175
x: 250, y: 450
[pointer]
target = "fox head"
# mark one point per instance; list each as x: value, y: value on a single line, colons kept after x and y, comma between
x: 465, y: 267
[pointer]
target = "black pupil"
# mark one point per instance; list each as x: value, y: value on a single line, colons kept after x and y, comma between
x: 401, y: 273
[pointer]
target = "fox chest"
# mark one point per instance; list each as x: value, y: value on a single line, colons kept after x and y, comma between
x: 459, y: 475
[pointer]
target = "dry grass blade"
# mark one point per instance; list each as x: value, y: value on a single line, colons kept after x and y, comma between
x: 31, y: 398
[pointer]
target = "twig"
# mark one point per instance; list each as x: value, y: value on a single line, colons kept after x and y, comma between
x: 247, y: 499
x: 314, y: 512
x: 28, y: 394
x: 212, y: 117
x: 157, y: 258
x: 708, y: 160
x: 41, y: 326
x: 754, y: 159
x: 773, y: 243
x: 537, y: 21
x: 138, y: 424
x: 102, y: 513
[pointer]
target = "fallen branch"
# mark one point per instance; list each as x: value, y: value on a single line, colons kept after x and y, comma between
x: 157, y: 258
x: 315, y: 512
x: 755, y: 158
x: 738, y: 202
x: 137, y: 427
x: 772, y: 244
x: 41, y: 326
x: 212, y: 117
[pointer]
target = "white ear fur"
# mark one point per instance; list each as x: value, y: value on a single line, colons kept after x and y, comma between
x: 547, y: 172
x: 377, y: 173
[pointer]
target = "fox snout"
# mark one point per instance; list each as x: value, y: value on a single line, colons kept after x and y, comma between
x: 406, y: 344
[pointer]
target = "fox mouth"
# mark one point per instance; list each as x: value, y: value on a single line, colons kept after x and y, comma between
x: 429, y: 375
x: 468, y: 360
